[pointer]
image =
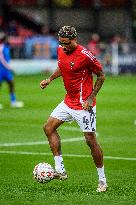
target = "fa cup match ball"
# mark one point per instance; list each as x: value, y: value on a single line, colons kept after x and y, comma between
x: 43, y: 172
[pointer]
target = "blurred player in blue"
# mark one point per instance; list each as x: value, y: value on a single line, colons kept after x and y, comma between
x: 6, y: 73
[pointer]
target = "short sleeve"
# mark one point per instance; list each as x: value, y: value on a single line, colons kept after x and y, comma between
x: 94, y: 64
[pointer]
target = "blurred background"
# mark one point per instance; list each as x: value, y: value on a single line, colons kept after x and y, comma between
x: 106, y: 27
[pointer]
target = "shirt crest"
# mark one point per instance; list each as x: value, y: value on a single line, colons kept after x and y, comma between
x: 72, y: 64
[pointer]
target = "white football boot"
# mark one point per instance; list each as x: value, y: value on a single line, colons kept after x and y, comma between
x: 60, y: 173
x: 17, y: 104
x: 102, y: 187
x: 60, y: 176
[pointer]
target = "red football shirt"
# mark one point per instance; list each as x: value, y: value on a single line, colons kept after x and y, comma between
x: 77, y: 69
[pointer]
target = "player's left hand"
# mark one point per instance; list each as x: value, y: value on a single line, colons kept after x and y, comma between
x: 88, y: 104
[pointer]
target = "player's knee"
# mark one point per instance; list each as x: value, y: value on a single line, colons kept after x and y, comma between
x: 90, y: 139
x: 47, y: 129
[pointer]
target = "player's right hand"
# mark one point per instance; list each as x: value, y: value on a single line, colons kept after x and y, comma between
x: 44, y: 83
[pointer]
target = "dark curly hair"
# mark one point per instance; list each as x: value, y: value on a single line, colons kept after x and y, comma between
x: 67, y: 32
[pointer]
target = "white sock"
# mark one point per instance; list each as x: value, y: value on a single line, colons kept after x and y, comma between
x: 101, y: 174
x: 59, y: 166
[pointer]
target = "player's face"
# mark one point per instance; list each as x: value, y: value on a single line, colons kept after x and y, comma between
x: 67, y: 44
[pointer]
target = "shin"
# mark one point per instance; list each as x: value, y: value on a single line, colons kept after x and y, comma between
x: 95, y: 148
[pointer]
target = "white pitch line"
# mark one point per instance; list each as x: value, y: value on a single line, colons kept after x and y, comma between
x: 124, y: 158
x: 69, y: 128
x: 76, y: 129
x: 40, y: 142
x: 65, y: 155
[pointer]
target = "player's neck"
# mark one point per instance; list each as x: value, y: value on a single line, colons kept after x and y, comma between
x: 74, y: 48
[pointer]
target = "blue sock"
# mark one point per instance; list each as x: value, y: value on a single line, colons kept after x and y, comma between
x: 12, y: 97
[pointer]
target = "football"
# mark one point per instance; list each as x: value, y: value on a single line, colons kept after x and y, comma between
x: 43, y: 172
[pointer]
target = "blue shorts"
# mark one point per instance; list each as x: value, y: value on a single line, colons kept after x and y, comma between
x: 6, y: 74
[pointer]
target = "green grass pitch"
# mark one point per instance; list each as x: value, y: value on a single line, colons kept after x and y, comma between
x: 116, y: 126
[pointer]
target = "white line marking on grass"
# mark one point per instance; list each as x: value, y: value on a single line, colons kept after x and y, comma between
x: 24, y: 153
x: 75, y: 129
x: 123, y: 158
x: 67, y: 128
x: 40, y: 142
x: 70, y: 128
x: 65, y: 155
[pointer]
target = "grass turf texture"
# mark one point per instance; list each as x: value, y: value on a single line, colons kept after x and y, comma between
x: 116, y: 113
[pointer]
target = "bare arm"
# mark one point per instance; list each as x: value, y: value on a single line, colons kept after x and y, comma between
x: 56, y: 74
x: 98, y: 84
